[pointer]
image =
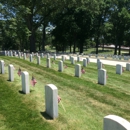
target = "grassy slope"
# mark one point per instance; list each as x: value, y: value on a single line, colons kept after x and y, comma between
x: 85, y: 101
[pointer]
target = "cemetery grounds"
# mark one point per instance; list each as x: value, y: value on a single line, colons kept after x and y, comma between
x: 86, y: 102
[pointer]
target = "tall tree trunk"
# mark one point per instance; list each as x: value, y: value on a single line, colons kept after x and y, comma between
x: 103, y: 46
x: 81, y: 47
x: 97, y: 43
x: 119, y: 50
x: 43, y: 37
x: 115, y: 52
x: 32, y: 42
x: 63, y: 47
x: 129, y: 50
x: 70, y: 47
x: 74, y: 47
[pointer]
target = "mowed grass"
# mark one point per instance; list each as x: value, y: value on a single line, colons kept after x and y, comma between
x: 85, y: 101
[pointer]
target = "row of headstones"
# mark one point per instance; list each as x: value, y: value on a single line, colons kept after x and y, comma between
x: 51, y: 92
x: 111, y: 122
x: 117, y: 57
x: 119, y: 68
x: 102, y: 76
x: 101, y: 72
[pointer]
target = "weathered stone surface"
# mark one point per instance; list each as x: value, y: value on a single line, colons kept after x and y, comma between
x: 51, y: 101
x: 102, y: 76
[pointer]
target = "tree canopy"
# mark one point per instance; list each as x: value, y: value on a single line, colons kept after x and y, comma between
x: 77, y: 24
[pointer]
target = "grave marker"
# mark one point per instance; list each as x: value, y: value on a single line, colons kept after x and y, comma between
x: 60, y: 65
x: 85, y: 62
x: 31, y: 58
x: 128, y: 66
x: 118, y: 69
x: 99, y: 65
x: 48, y: 63
x: 78, y: 70
x: 72, y: 60
x: 63, y: 58
x: 25, y: 82
x: 24, y: 56
x: 38, y: 60
x: 102, y: 76
x: 113, y: 122
x: 2, y: 67
x: 42, y: 55
x: 11, y: 72
x: 51, y: 101
x: 54, y: 56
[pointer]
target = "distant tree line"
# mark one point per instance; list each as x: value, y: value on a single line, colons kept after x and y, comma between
x: 78, y: 24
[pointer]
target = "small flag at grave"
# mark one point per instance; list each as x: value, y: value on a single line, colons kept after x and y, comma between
x: 59, y: 98
x: 33, y: 81
x: 123, y: 69
x: 65, y: 66
x: 53, y: 62
x: 19, y: 72
x: 13, y: 67
x: 83, y: 71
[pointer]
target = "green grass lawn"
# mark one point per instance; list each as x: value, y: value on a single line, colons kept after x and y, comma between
x: 86, y: 102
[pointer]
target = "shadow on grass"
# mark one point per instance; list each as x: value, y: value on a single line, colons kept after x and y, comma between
x: 21, y: 92
x: 8, y: 80
x: 46, y: 116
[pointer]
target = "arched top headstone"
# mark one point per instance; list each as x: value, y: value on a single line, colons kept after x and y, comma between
x: 113, y: 122
x: 51, y: 93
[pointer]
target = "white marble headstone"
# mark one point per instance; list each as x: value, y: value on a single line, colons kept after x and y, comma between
x: 118, y: 69
x: 25, y: 82
x: 2, y: 71
x: 102, y: 77
x: 113, y: 122
x: 11, y: 72
x: 48, y: 63
x: 60, y: 66
x: 51, y: 100
x: 78, y: 70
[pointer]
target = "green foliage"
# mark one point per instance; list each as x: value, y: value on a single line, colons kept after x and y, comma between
x: 104, y: 20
